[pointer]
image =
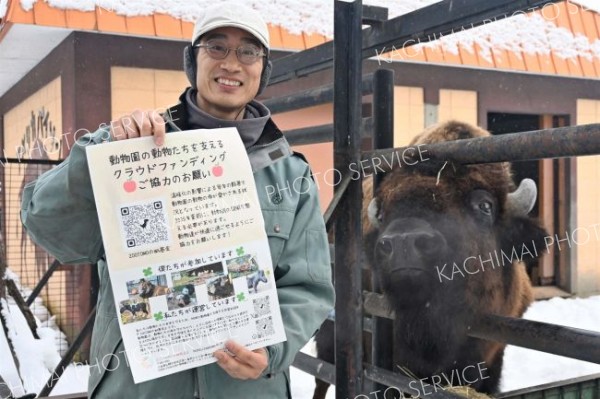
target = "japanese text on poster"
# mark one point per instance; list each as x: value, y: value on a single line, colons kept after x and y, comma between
x: 186, y: 249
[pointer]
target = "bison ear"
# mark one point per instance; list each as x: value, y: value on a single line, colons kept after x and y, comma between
x: 522, y: 200
x: 373, y: 213
x: 524, y: 232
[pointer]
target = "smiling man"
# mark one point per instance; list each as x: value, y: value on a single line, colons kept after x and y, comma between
x: 227, y: 64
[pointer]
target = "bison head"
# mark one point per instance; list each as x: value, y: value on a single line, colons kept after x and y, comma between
x: 445, y: 235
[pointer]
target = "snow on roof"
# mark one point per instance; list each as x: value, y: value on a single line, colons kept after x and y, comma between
x: 593, y: 5
x: 314, y: 16
x: 534, y: 35
x: 3, y: 8
x: 531, y: 34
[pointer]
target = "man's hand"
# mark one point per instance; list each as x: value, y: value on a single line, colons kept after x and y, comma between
x: 139, y: 124
x: 242, y: 363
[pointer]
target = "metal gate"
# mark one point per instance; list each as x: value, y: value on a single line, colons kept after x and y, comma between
x: 351, y: 45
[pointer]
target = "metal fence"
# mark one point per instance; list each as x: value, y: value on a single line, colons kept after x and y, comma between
x: 58, y: 295
x: 351, y: 45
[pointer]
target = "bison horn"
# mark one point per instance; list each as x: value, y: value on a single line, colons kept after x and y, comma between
x: 372, y: 213
x: 522, y: 200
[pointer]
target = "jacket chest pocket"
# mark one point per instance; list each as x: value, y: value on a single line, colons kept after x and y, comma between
x: 278, y: 226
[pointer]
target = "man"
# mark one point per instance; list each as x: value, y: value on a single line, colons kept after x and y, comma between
x: 228, y: 65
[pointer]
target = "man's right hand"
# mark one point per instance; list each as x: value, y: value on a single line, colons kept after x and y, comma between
x: 139, y: 124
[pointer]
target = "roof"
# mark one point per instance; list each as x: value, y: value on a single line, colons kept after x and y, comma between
x: 563, y: 38
x: 136, y: 17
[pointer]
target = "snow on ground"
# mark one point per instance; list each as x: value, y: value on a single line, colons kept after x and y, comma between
x: 525, y: 367
x: 522, y: 367
x: 37, y: 357
x: 7, y: 365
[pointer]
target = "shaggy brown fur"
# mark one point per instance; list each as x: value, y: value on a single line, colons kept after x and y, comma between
x: 438, y: 213
x: 147, y: 289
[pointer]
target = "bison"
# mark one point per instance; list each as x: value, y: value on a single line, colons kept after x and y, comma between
x: 256, y: 278
x: 447, y: 243
x: 147, y: 289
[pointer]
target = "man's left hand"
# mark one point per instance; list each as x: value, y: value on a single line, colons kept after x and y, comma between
x: 242, y: 363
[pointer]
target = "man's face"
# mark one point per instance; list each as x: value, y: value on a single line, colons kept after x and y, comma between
x: 226, y: 86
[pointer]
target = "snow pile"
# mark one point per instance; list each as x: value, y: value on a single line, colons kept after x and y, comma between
x: 37, y: 357
x: 524, y: 367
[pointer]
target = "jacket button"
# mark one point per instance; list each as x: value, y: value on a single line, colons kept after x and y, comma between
x: 277, y: 198
x: 277, y: 228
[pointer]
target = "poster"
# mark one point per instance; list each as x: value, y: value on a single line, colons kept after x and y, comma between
x: 186, y: 248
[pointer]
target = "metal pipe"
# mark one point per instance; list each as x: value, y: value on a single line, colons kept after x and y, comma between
x: 550, y: 338
x: 42, y: 283
x: 322, y: 133
x: 549, y: 143
x: 339, y: 193
x: 401, y: 383
x: 347, y: 110
x: 311, y: 97
x: 315, y: 367
x: 326, y: 371
x: 383, y: 137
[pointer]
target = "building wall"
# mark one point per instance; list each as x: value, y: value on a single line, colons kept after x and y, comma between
x: 588, y: 208
x: 22, y: 125
x: 458, y: 104
x: 319, y: 156
x: 409, y: 113
x: 144, y: 88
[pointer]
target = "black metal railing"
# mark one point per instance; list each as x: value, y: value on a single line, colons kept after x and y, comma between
x: 66, y: 290
x: 351, y: 45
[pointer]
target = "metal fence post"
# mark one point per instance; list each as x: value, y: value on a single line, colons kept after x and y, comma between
x: 348, y: 231
x: 383, y: 137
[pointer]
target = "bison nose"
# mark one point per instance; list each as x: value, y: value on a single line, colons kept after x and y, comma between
x: 411, y: 245
x: 385, y: 245
x: 429, y: 243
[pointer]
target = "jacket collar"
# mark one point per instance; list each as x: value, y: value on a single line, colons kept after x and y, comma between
x: 269, y: 148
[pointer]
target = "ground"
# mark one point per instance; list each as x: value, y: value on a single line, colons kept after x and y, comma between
x: 522, y: 367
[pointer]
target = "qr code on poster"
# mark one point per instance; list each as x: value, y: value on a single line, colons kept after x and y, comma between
x: 144, y: 224
x: 264, y: 327
x: 262, y: 306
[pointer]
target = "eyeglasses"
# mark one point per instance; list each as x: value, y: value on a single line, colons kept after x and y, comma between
x: 247, y: 54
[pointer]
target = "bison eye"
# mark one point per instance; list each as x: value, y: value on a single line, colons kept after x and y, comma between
x: 486, y: 207
x: 483, y: 205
